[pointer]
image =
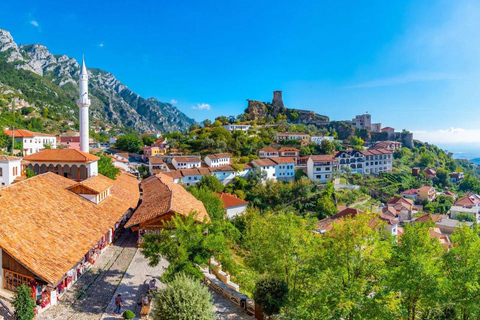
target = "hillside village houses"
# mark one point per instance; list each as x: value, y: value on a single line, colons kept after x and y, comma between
x: 470, y: 204
x: 268, y: 152
x: 319, y: 139
x: 371, y: 161
x: 299, y: 136
x: 32, y: 142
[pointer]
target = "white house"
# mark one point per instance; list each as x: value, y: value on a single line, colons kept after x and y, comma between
x: 320, y: 167
x: 372, y: 161
x: 217, y: 159
x: 32, y: 142
x: 235, y: 127
x: 285, y: 168
x: 268, y: 166
x: 268, y: 152
x: 232, y: 205
x: 289, y: 152
x: 122, y: 160
x: 186, y: 162
x: 299, y: 136
x: 10, y: 168
x: 318, y: 139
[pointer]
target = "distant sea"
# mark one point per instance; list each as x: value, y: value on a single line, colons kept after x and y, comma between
x: 463, y: 150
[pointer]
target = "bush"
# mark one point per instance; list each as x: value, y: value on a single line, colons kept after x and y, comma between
x: 270, y: 294
x: 23, y: 303
x: 128, y: 314
x: 184, y: 298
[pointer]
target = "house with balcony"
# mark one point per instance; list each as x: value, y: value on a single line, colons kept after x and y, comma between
x: 267, y: 166
x: 320, y: 167
x: 156, y: 165
x: 268, y: 152
x: 319, y: 139
x: 377, y: 160
x: 289, y: 152
x: 351, y: 160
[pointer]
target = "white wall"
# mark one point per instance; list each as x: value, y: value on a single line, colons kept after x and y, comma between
x: 38, y: 143
x: 7, y: 176
x: 319, y: 173
x: 235, y: 211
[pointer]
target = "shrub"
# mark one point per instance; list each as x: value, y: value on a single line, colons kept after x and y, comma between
x: 128, y: 314
x: 23, y: 303
x: 270, y: 294
x: 184, y: 298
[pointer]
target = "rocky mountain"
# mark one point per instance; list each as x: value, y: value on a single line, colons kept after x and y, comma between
x: 113, y: 103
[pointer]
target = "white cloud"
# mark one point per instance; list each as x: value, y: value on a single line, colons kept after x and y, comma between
x: 101, y: 45
x: 202, y: 106
x: 34, y: 23
x: 450, y: 135
x: 405, y: 78
x: 173, y: 101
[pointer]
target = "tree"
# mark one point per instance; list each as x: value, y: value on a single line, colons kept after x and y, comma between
x: 326, y: 205
x: 29, y: 173
x: 186, y: 244
x: 23, y: 303
x: 106, y: 167
x: 210, y: 183
x: 207, y: 123
x: 184, y: 298
x: 327, y: 147
x: 148, y: 140
x: 415, y: 271
x: 271, y: 294
x: 129, y: 142
x: 442, y: 176
x: 463, y: 216
x: 357, y: 142
x: 426, y: 160
x: 348, y: 267
x: 463, y: 275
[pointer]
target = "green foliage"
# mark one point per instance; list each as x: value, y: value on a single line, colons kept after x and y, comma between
x: 23, y: 303
x: 148, y: 140
x: 210, y: 183
x: 184, y: 298
x: 186, y: 244
x: 357, y: 143
x: 106, y: 167
x: 128, y: 314
x: 30, y: 173
x: 213, y: 204
x: 326, y: 205
x: 271, y: 294
x: 129, y: 142
x: 463, y: 216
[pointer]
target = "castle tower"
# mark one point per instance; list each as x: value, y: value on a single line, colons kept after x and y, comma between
x: 277, y: 99
x: 83, y: 103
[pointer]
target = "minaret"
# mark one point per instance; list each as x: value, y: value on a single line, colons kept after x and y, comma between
x: 83, y: 103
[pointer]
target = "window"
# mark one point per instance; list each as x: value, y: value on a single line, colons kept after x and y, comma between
x: 1, y: 172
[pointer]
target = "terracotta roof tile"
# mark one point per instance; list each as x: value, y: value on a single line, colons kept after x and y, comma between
x: 230, y: 200
x: 160, y: 196
x: 61, y: 155
x: 97, y: 184
x: 289, y: 149
x: 283, y: 160
x: 323, y: 157
x: 268, y: 149
x: 49, y: 229
x: 26, y: 133
x: 8, y: 158
x: 187, y: 159
x: 219, y: 155
x: 156, y: 160
x: 264, y: 162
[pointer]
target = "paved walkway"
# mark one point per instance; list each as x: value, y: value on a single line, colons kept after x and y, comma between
x: 88, y: 298
x: 120, y: 269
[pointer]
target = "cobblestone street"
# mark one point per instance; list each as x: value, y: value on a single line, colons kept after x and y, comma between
x: 120, y: 269
x: 91, y: 294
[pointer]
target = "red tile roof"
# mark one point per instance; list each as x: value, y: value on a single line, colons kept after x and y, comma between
x: 187, y: 159
x: 289, y: 149
x: 8, y: 158
x: 283, y: 160
x: 323, y: 157
x: 49, y: 229
x: 268, y: 149
x: 65, y: 139
x: 155, y: 160
x: 230, y: 200
x: 219, y: 155
x: 409, y: 192
x: 264, y: 162
x: 26, y: 133
x: 61, y: 155
x: 161, y: 196
x: 400, y: 199
x: 431, y: 217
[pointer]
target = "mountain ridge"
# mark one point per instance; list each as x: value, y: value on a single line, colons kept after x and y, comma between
x: 113, y: 102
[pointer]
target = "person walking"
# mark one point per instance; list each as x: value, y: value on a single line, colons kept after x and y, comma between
x: 118, y: 304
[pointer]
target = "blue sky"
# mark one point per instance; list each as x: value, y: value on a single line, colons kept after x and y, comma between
x: 411, y: 64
